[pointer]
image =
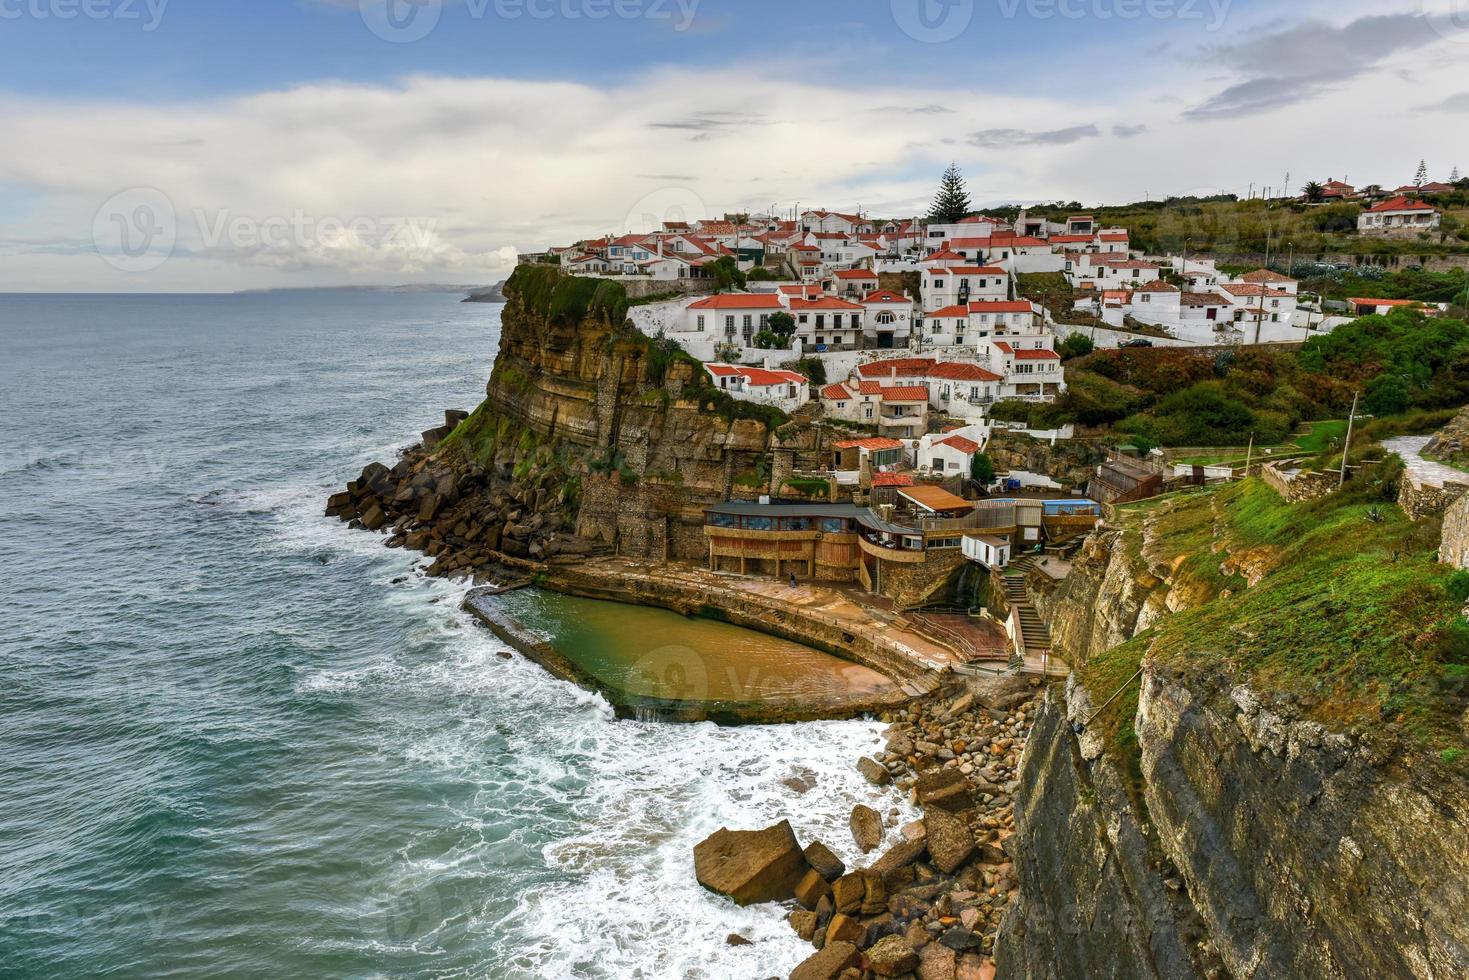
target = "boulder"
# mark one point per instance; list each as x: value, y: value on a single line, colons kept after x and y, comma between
x: 735, y: 939
x: 844, y: 928
x: 972, y: 966
x: 946, y: 789
x: 751, y: 865
x: 891, y: 956
x: 373, y: 517
x: 820, y: 857
x: 900, y: 855
x: 950, y: 842
x: 811, y: 889
x: 866, y: 826
x: 847, y: 892
x: 875, y: 772
x: 828, y: 963
x: 937, y: 962
x: 804, y: 923
x: 428, y: 507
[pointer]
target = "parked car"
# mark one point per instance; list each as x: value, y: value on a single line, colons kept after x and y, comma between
x: 1136, y: 342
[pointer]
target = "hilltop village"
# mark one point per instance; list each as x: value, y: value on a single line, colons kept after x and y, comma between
x: 1110, y: 529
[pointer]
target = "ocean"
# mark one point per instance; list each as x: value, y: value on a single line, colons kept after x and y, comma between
x: 239, y: 739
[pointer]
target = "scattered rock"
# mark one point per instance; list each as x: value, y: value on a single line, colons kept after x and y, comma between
x: 828, y: 963
x: 844, y: 928
x: 811, y: 889
x: 820, y: 857
x: 891, y: 956
x: 875, y: 772
x: 950, y: 842
x: 937, y: 962
x: 735, y: 939
x: 866, y: 826
x: 751, y: 865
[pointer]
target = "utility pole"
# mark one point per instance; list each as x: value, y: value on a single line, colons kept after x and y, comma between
x: 1249, y: 455
x: 1347, y: 445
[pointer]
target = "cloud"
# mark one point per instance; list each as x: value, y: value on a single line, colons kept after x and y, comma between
x: 708, y: 122
x: 1298, y: 63
x: 926, y: 110
x: 1124, y: 132
x: 992, y: 138
x: 1454, y: 103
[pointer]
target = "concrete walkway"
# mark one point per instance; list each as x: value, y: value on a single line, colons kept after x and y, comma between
x: 1423, y: 472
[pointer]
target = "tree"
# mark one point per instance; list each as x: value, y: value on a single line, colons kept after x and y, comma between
x: 782, y: 324
x: 1313, y: 191
x: 814, y: 368
x: 952, y: 201
x: 1076, y: 345
x: 1421, y: 177
x: 1454, y: 176
x: 727, y: 271
x: 982, y: 469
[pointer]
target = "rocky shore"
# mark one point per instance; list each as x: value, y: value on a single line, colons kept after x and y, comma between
x: 467, y: 516
x: 930, y: 905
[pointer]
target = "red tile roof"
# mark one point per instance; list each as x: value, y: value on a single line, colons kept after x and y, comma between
x: 908, y: 393
x: 892, y: 480
x: 960, y: 443
x: 1158, y: 286
x: 904, y: 366
x: 1001, y: 306
x: 759, y: 377
x: 836, y: 391
x: 855, y: 274
x: 1264, y: 275
x: 957, y: 371
x: 823, y: 303
x: 885, y: 296
x: 959, y: 310
x: 1401, y: 204
x: 1037, y: 354
x: 872, y: 444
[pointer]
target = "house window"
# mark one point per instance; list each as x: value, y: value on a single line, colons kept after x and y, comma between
x: 959, y: 339
x: 883, y: 317
x: 764, y: 320
x: 749, y: 321
x: 867, y: 411
x: 700, y: 326
x: 729, y: 325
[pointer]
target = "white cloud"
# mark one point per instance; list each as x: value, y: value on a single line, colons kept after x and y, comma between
x: 445, y: 178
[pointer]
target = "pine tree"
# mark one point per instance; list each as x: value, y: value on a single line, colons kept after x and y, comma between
x: 1421, y: 177
x: 1454, y: 176
x: 952, y: 200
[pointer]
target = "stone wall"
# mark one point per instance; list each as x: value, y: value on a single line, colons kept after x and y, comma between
x: 1420, y: 500
x: 1303, y: 485
x: 1454, y: 549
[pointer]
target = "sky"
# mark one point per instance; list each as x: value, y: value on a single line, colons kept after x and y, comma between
x: 217, y: 145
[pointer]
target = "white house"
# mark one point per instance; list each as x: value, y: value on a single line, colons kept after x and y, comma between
x: 828, y: 323
x: 833, y: 221
x: 948, y: 455
x: 853, y: 283
x: 1001, y: 318
x: 1256, y: 303
x: 786, y: 390
x: 1032, y: 373
x: 989, y: 550
x: 889, y: 319
x: 1271, y: 280
x: 732, y: 317
x: 953, y: 285
x: 1398, y: 216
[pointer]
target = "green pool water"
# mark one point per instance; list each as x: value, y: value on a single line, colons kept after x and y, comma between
x: 653, y: 653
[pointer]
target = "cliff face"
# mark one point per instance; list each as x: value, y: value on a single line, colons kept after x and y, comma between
x: 649, y: 453
x: 591, y: 437
x: 1232, y: 836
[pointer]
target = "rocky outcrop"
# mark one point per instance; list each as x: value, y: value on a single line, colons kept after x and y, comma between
x: 1108, y: 598
x: 591, y: 436
x: 1070, y: 462
x: 1250, y: 842
x: 751, y: 865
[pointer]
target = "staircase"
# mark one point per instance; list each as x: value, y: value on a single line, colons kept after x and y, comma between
x: 1035, y: 636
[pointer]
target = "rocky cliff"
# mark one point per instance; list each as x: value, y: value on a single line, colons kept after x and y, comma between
x: 1193, y: 817
x: 591, y: 436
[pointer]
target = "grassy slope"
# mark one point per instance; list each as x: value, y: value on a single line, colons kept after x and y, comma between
x: 1356, y: 617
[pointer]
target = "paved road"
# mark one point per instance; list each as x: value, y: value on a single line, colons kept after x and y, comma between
x: 1424, y: 472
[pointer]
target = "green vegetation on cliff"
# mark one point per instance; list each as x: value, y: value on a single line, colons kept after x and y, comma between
x: 1350, y: 612
x: 1189, y: 397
